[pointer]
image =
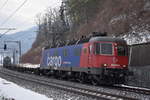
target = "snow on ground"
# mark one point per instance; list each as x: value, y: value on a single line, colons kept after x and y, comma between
x: 28, y: 65
x: 11, y: 91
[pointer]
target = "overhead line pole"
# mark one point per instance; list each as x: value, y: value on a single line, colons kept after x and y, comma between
x: 19, y: 44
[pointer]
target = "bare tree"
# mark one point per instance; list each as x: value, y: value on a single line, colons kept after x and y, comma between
x: 52, y: 25
x: 38, y: 20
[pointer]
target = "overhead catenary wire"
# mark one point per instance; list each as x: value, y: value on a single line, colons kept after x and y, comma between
x: 8, y: 29
x: 11, y: 15
x: 4, y: 33
x: 4, y: 5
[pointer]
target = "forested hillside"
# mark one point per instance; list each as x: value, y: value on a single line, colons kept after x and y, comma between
x: 120, y: 18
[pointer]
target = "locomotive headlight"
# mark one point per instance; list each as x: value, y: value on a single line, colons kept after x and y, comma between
x: 124, y: 66
x: 104, y: 65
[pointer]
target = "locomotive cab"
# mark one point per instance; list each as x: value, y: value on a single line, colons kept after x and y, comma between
x: 7, y: 62
x: 108, y: 53
x: 111, y: 56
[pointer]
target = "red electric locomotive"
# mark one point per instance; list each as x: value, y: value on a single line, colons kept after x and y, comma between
x: 100, y: 60
x: 107, y: 59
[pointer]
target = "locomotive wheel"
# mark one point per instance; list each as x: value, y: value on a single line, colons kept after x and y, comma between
x: 94, y: 80
x: 82, y: 78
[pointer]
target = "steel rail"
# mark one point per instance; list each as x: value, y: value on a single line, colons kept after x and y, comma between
x: 81, y: 91
x: 134, y: 89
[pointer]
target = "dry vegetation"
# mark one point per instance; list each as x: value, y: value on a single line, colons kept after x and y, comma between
x: 81, y: 17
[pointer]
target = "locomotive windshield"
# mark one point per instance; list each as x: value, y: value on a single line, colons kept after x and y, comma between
x: 122, y: 50
x: 104, y: 48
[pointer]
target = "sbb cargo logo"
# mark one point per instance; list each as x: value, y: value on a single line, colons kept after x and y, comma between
x: 54, y: 61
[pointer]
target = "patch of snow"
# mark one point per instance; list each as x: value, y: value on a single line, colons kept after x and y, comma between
x: 122, y: 17
x: 117, y: 18
x: 10, y: 91
x: 28, y: 65
x: 138, y: 34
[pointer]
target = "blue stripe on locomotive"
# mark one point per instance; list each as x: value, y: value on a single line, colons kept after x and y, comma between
x: 68, y: 56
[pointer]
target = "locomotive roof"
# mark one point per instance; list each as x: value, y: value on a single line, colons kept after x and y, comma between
x: 107, y: 39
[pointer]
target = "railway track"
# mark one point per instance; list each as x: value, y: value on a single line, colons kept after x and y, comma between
x: 70, y: 88
x: 133, y: 89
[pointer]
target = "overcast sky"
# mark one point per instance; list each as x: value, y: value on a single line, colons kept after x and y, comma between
x: 24, y: 18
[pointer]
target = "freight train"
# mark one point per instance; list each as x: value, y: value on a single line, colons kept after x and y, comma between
x: 100, y: 60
